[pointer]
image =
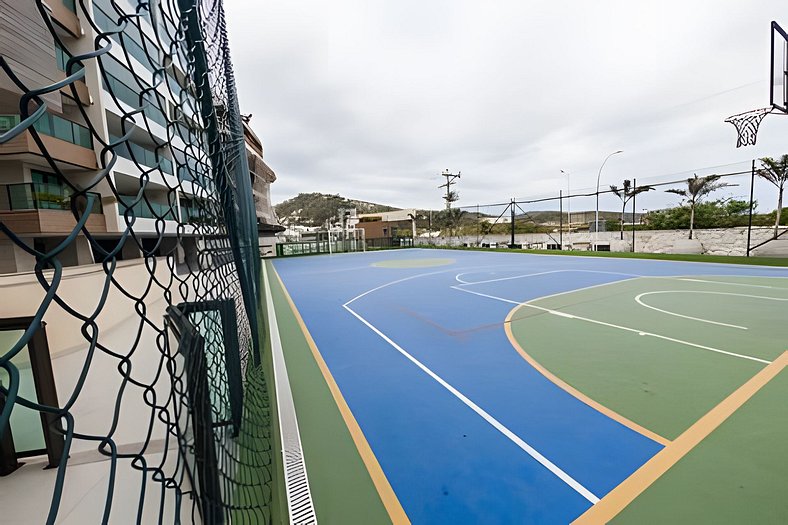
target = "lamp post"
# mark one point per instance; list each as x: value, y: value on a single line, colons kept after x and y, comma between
x: 568, y: 208
x: 596, y: 215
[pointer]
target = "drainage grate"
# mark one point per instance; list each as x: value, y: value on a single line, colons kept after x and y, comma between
x: 299, y: 498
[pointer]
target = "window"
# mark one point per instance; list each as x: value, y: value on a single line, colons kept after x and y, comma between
x: 63, y: 129
x: 49, y: 192
x: 61, y: 58
x: 29, y: 432
x: 129, y: 40
x: 7, y: 122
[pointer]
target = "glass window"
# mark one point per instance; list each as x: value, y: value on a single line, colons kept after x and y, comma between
x: 21, y: 197
x: 62, y: 129
x: 7, y: 122
x: 60, y: 57
x: 83, y: 136
x: 44, y: 125
x: 25, y: 422
x: 49, y: 193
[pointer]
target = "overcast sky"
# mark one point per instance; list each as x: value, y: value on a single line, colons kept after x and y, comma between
x: 373, y: 99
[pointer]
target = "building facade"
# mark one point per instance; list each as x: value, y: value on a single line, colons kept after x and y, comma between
x: 262, y: 177
x: 144, y: 171
x: 120, y: 168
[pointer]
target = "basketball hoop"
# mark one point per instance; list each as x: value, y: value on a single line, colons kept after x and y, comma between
x: 747, y: 124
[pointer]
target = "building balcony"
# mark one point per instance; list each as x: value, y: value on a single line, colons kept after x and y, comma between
x: 146, y: 157
x: 46, y: 208
x: 64, y: 13
x: 66, y: 141
x: 62, y: 57
x: 82, y: 92
x: 148, y: 210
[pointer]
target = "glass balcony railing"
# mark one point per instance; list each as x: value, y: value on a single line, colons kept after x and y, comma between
x: 144, y: 156
x: 42, y: 196
x: 131, y: 40
x: 196, y: 212
x: 147, y: 210
x: 54, y: 126
x: 132, y: 98
x: 7, y: 122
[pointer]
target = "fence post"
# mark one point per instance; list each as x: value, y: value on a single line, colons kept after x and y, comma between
x: 749, y: 221
x: 511, y: 245
x: 634, y: 194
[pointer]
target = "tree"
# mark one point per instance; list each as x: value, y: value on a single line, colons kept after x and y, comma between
x: 776, y: 172
x: 449, y: 219
x: 625, y: 194
x: 720, y: 213
x: 451, y: 197
x: 697, y: 188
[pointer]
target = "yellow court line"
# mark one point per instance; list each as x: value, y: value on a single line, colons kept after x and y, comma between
x: 621, y: 496
x: 386, y: 493
x: 572, y: 390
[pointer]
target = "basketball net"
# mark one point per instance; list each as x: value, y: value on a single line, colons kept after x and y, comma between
x: 747, y: 124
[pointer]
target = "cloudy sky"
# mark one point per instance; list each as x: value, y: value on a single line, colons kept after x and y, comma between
x: 373, y: 99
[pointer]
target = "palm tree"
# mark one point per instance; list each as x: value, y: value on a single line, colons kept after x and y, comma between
x: 625, y: 194
x: 776, y: 172
x: 697, y: 188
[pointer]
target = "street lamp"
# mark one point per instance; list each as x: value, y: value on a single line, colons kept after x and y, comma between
x: 568, y: 207
x: 596, y: 215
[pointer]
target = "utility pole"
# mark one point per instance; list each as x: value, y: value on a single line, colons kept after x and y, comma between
x: 451, y: 196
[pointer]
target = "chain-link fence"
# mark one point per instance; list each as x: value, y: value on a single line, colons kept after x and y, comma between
x: 733, y: 209
x: 139, y: 380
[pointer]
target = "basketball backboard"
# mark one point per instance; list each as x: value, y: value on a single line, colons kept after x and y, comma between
x: 779, y: 72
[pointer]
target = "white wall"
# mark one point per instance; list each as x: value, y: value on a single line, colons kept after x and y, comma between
x: 721, y: 241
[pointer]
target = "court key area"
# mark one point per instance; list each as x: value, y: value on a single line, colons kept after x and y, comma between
x: 448, y: 386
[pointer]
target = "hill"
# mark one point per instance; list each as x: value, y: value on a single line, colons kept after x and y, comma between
x: 313, y: 209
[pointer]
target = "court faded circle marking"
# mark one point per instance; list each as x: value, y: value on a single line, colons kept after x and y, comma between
x: 412, y: 263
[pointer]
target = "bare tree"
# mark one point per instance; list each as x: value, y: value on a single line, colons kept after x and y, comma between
x: 625, y: 193
x: 776, y: 172
x: 697, y: 188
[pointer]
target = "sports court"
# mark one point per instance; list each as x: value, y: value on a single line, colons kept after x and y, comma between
x: 486, y: 387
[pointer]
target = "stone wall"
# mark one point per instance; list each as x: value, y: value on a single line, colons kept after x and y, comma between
x: 718, y: 241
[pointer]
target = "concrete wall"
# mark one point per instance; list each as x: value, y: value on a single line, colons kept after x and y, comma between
x: 721, y: 241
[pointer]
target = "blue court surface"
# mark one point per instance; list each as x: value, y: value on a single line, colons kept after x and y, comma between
x: 464, y: 428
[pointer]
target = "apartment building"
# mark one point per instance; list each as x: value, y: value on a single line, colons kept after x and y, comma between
x: 150, y: 185
x: 262, y: 178
x: 145, y: 177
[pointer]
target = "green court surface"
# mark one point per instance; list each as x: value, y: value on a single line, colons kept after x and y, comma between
x: 744, y: 460
x: 663, y: 383
x: 664, y: 364
x: 336, y: 469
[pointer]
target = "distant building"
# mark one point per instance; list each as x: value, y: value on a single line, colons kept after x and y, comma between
x: 388, y: 228
x: 262, y: 177
x: 396, y: 215
x: 503, y: 219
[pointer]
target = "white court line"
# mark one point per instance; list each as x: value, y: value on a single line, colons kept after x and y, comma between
x: 734, y: 284
x: 639, y: 332
x: 549, y: 465
x: 464, y: 283
x: 359, y: 296
x: 641, y: 303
